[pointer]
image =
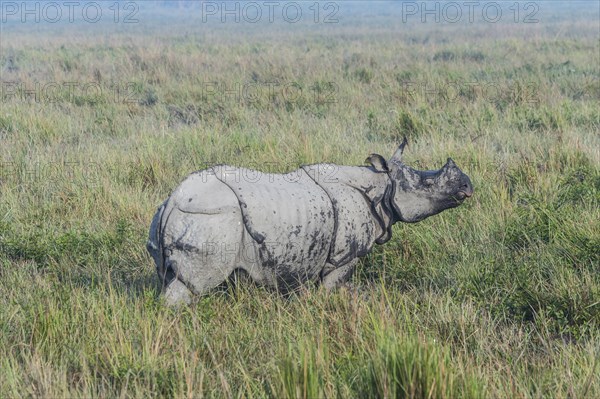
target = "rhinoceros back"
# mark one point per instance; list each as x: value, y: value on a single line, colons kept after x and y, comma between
x: 290, y: 219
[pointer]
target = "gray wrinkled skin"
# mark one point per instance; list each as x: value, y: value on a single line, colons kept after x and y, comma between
x: 284, y: 230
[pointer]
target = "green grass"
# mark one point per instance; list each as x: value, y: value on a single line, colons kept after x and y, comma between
x: 499, y: 298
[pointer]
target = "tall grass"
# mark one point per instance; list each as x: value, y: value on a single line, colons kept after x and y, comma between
x: 498, y: 298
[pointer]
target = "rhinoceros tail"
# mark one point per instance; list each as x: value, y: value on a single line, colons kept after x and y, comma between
x: 153, y: 245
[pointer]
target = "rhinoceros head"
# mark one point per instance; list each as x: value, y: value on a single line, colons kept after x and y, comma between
x: 419, y: 194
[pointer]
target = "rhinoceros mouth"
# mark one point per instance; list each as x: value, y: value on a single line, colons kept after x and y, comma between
x: 462, y: 195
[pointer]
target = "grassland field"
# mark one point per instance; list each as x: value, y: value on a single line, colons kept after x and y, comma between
x: 499, y: 298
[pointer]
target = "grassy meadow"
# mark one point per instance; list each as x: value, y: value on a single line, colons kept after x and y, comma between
x: 499, y: 298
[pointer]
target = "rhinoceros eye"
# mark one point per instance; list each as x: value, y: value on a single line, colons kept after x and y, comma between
x: 428, y: 181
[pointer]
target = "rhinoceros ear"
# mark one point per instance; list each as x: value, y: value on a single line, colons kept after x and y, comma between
x: 398, y: 154
x: 378, y: 162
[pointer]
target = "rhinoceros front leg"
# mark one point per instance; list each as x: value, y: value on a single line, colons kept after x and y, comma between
x: 333, y: 277
x: 176, y: 293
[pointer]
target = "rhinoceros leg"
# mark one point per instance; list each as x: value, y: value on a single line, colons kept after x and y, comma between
x: 202, y: 250
x: 333, y: 277
x: 176, y: 293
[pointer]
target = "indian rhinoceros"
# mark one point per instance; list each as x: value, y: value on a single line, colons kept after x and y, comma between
x: 284, y: 230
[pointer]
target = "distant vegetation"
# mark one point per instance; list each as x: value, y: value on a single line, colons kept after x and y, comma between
x: 499, y: 298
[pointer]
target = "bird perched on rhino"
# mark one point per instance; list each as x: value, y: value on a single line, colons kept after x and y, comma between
x: 284, y: 230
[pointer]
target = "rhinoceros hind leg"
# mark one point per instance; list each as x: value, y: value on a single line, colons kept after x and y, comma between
x: 336, y: 277
x: 176, y: 294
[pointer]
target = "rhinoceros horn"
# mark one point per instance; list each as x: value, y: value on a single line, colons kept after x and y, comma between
x: 398, y: 154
